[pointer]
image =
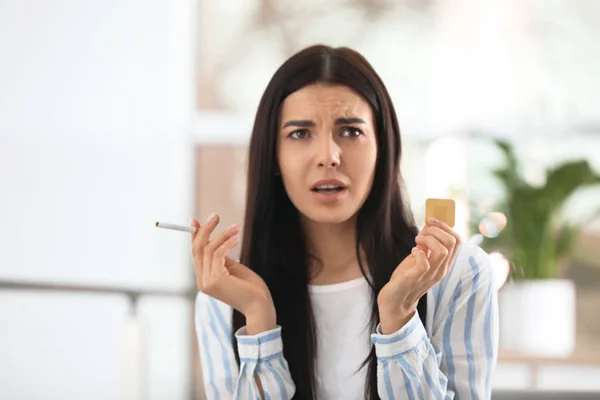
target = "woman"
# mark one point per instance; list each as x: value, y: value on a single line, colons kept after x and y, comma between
x: 337, y: 295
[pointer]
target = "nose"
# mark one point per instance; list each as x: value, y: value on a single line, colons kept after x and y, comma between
x: 328, y: 153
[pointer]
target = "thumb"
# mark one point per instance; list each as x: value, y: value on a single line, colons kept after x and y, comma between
x: 234, y: 267
x: 422, y: 264
x: 238, y: 270
x: 423, y: 248
x: 230, y: 262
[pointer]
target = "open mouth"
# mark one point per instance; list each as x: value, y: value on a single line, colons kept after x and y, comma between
x: 328, y: 189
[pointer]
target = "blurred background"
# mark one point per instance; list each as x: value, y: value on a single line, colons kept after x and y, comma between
x: 116, y: 114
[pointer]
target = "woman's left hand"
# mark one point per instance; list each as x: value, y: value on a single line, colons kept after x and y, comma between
x: 428, y: 263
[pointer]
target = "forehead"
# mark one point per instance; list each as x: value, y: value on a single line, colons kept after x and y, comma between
x: 321, y: 100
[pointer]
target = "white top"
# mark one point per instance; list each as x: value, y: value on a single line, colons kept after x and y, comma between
x: 342, y: 312
x: 454, y: 355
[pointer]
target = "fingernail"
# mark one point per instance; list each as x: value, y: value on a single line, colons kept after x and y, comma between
x: 210, y: 217
x: 233, y: 227
x: 433, y: 220
x: 192, y: 222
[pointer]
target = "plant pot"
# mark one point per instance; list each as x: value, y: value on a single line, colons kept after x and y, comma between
x: 537, y: 317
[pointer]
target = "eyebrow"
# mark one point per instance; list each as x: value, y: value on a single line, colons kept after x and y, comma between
x: 306, y: 123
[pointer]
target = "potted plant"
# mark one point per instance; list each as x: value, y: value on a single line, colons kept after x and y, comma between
x: 537, y: 305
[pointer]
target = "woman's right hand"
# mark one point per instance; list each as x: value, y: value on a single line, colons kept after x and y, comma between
x: 228, y: 281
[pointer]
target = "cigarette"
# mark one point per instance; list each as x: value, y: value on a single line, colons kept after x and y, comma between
x: 175, y: 227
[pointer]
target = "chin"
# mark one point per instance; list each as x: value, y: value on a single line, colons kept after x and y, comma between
x: 329, y: 215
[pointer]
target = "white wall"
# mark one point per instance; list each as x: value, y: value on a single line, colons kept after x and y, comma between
x: 95, y: 103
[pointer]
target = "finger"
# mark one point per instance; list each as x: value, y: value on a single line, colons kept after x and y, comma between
x: 201, y: 242
x: 218, y: 258
x: 232, y: 265
x: 439, y: 252
x: 221, y: 238
x: 230, y: 262
x: 448, y: 240
x: 458, y: 239
x: 197, y: 260
x: 194, y: 224
x: 239, y: 270
x: 421, y: 267
x: 200, y: 239
x: 443, y: 226
x: 206, y: 268
x: 243, y: 272
x: 212, y: 246
x: 423, y: 264
x: 423, y: 248
x: 203, y: 234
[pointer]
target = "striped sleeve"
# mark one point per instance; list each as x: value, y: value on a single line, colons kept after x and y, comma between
x: 261, y: 356
x: 213, y: 329
x: 458, y: 357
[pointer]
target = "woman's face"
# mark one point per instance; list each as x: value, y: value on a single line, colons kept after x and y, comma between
x: 327, y: 151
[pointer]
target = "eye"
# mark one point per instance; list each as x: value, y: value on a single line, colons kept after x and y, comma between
x: 299, y: 134
x: 349, y: 131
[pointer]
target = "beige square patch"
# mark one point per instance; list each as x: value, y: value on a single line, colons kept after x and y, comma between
x: 441, y: 209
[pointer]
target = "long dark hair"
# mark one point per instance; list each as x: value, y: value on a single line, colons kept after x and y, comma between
x: 274, y: 245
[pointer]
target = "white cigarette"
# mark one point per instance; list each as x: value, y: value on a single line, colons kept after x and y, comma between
x: 166, y: 225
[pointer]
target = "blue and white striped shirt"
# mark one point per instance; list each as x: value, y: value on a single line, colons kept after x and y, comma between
x: 452, y: 357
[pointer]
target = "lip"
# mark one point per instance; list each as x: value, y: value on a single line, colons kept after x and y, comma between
x: 335, y: 182
x: 329, y: 198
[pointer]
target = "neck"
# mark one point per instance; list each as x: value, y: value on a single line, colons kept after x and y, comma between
x: 332, y: 248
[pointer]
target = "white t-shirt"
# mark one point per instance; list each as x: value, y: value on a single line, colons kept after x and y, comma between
x: 342, y: 312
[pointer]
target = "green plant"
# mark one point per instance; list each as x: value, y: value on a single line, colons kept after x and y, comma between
x: 534, y: 240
